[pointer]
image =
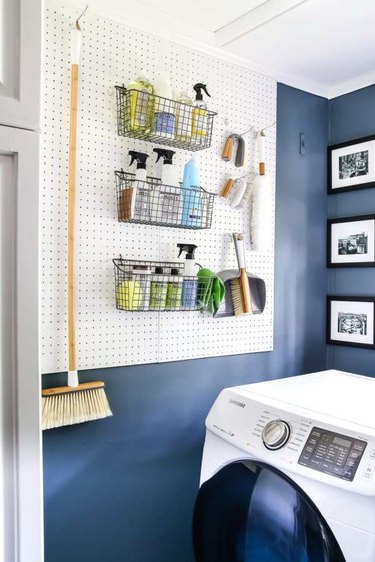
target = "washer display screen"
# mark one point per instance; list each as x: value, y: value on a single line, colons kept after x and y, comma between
x: 340, y: 441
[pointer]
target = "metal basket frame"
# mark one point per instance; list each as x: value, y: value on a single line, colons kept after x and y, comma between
x: 145, y: 116
x: 154, y: 203
x: 150, y: 292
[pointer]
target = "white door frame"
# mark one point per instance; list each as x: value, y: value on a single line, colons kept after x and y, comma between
x: 23, y: 147
x: 20, y: 69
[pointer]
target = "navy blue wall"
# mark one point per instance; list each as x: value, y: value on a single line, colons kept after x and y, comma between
x: 352, y: 116
x: 124, y: 488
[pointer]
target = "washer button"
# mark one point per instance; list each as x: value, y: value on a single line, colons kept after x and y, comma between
x: 368, y: 472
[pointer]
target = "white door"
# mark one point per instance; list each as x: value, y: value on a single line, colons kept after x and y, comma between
x: 20, y: 435
x: 20, y: 54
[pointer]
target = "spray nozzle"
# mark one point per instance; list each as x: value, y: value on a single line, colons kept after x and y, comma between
x: 139, y: 157
x: 198, y: 90
x: 189, y: 249
x: 166, y: 154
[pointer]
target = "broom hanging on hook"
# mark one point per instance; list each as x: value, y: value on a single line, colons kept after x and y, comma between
x: 75, y: 403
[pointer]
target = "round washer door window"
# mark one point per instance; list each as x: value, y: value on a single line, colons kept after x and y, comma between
x: 250, y: 512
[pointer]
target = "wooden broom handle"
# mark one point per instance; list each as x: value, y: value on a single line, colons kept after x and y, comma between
x: 71, y: 215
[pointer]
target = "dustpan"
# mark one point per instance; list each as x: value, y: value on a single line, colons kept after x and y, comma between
x: 253, y: 285
x: 257, y: 289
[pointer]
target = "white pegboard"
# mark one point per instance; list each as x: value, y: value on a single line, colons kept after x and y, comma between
x: 114, y: 54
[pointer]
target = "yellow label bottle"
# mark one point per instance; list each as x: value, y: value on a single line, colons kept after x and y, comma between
x: 199, y: 122
x: 139, y: 105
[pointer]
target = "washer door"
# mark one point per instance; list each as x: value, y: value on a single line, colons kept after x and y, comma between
x: 251, y: 512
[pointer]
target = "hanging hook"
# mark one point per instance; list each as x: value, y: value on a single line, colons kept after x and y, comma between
x: 262, y: 133
x: 248, y: 131
x: 81, y: 16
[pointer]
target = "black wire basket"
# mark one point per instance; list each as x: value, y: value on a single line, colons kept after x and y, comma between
x: 151, y: 202
x: 154, y: 286
x: 145, y: 116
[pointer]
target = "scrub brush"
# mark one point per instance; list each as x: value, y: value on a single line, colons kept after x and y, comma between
x: 240, y: 286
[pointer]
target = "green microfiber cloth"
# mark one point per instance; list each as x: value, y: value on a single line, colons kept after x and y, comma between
x: 211, y: 291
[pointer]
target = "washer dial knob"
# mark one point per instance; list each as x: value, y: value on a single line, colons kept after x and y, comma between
x: 276, y: 434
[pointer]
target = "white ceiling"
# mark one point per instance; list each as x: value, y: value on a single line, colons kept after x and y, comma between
x: 323, y: 46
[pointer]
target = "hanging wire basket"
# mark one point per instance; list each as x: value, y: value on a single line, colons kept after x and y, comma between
x: 154, y: 286
x: 152, y: 118
x: 151, y: 202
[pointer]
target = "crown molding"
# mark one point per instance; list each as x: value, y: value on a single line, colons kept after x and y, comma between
x: 349, y: 86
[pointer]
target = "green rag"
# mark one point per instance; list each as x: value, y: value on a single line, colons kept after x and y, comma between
x: 211, y: 291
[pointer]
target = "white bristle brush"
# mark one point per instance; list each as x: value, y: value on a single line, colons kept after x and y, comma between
x: 261, y: 204
x: 238, y: 190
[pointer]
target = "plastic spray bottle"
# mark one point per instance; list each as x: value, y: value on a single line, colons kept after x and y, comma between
x: 190, y: 280
x: 164, y: 118
x: 139, y: 105
x: 199, y: 114
x: 169, y: 207
x: 140, y: 195
x: 192, y: 205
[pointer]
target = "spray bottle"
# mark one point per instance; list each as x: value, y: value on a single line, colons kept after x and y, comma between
x: 140, y: 203
x: 192, y: 205
x: 190, y: 279
x: 169, y: 206
x: 199, y: 114
x: 168, y: 171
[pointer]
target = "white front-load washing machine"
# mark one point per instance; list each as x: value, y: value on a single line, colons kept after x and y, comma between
x: 288, y: 472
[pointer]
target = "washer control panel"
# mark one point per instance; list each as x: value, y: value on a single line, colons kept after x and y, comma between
x: 332, y: 453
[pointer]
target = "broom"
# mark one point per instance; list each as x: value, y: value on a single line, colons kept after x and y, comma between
x: 75, y: 403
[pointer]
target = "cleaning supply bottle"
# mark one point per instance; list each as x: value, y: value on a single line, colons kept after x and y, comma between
x: 168, y: 170
x: 141, y: 297
x: 190, y: 280
x: 133, y: 293
x: 192, y: 205
x: 199, y: 114
x: 159, y: 288
x: 140, y: 192
x: 164, y: 118
x: 139, y: 105
x: 184, y: 117
x: 174, y: 290
x: 169, y: 206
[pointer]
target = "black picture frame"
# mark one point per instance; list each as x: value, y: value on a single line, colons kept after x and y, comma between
x: 353, y: 219
x: 331, y: 190
x: 332, y: 341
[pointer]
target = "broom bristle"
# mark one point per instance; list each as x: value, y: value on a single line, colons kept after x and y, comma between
x: 236, y: 296
x: 76, y: 406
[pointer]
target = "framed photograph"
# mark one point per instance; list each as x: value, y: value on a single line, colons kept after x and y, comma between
x: 351, y: 242
x: 350, y: 321
x: 351, y: 165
